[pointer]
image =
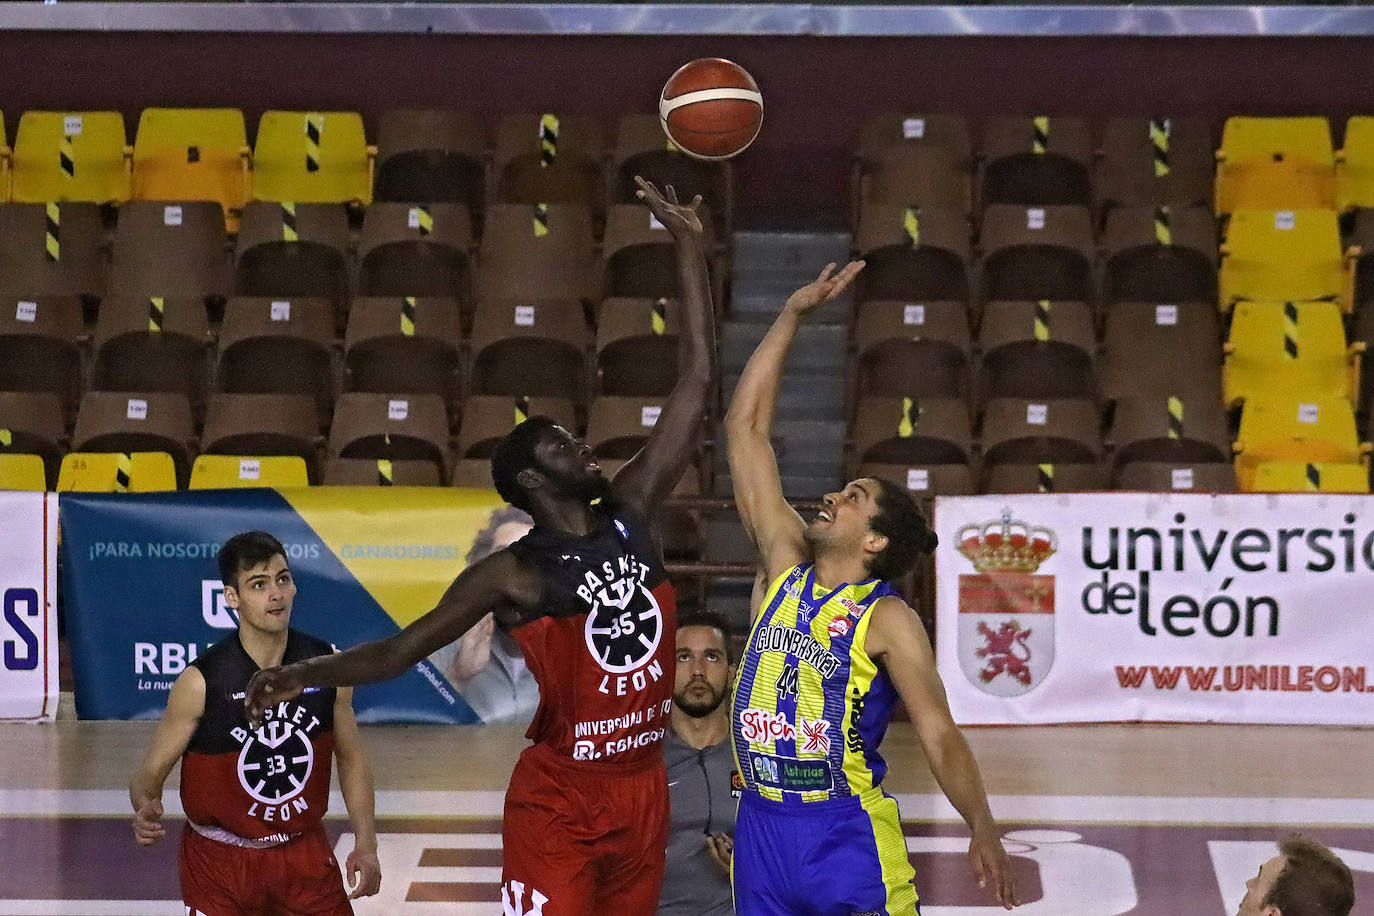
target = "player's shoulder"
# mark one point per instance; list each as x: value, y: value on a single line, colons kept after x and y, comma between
x: 300, y: 645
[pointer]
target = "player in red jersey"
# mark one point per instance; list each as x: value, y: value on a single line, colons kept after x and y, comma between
x: 586, y: 595
x: 253, y: 841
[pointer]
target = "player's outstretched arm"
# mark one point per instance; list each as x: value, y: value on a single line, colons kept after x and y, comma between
x: 362, y: 869
x: 185, y: 706
x: 772, y: 524
x: 498, y: 583
x: 648, y: 479
x: 898, y: 640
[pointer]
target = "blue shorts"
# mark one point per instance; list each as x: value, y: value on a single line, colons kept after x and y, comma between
x: 845, y: 857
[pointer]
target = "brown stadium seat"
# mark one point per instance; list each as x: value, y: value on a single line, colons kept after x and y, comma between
x: 923, y: 482
x: 1037, y: 350
x: 1169, y: 430
x: 913, y: 253
x: 380, y: 472
x: 472, y: 472
x: 1041, y: 431
x: 641, y: 148
x: 1161, y: 349
x: 617, y: 427
x: 176, y: 250
x: 538, y: 251
x: 254, y: 425
x: 147, y: 421
x: 432, y: 156
x: 416, y: 250
x: 536, y: 348
x: 1156, y: 162
x: 548, y: 157
x: 31, y: 424
x: 636, y: 346
x: 1037, y: 253
x: 917, y: 175
x: 1152, y: 477
x: 52, y: 250
x: 890, y: 127
x: 912, y: 431
x: 1160, y: 254
x: 1088, y: 477
x: 288, y: 249
x: 640, y: 255
x: 40, y: 347
x: 487, y: 420
x: 404, y: 344
x: 1037, y: 161
x: 153, y: 344
x: 921, y: 349
x: 404, y: 427
x: 279, y: 346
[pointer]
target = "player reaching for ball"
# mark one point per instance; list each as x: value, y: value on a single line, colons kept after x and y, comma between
x: 832, y: 648
x: 587, y: 598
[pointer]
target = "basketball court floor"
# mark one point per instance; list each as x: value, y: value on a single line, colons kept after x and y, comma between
x: 1101, y: 820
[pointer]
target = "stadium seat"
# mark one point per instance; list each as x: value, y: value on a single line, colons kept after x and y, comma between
x: 226, y: 472
x: 148, y: 421
x: 287, y: 250
x: 641, y: 148
x: 1355, y: 165
x: 192, y: 154
x: 539, y: 251
x: 1284, y: 256
x: 432, y: 156
x: 406, y: 427
x: 70, y: 155
x: 1283, y: 428
x: 917, y: 175
x: 891, y: 127
x: 416, y: 250
x: 262, y: 425
x: 1275, y: 164
x: 40, y: 348
x: 1154, y: 477
x: 471, y: 472
x: 1292, y: 348
x: 31, y: 424
x: 640, y: 255
x: 1301, y: 477
x: 1161, y: 349
x: 1156, y: 162
x: 279, y: 346
x: 1160, y: 254
x: 1037, y: 350
x: 636, y: 346
x: 1037, y: 161
x: 911, y: 431
x: 117, y: 472
x: 383, y: 472
x: 913, y: 253
x: 408, y: 343
x: 22, y: 472
x: 1047, y: 477
x: 312, y: 157
x: 536, y: 348
x: 173, y: 250
x: 1037, y: 253
x: 923, y: 482
x: 152, y: 344
x: 1169, y: 430
x: 1041, y: 431
x: 921, y: 349
x: 52, y: 250
x: 487, y: 419
x: 548, y: 157
x: 617, y: 427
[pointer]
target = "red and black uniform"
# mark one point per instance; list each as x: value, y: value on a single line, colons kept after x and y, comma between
x: 586, y: 819
x: 253, y: 841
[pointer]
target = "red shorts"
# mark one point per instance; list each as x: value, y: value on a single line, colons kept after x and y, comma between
x: 298, y: 878
x: 584, y: 839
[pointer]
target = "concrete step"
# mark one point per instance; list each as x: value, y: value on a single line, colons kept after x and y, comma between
x: 816, y: 347
x: 802, y: 396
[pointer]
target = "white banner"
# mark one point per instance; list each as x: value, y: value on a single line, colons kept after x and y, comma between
x: 1142, y: 607
x: 28, y: 607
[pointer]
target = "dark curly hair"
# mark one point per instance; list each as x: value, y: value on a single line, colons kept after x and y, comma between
x: 908, y: 535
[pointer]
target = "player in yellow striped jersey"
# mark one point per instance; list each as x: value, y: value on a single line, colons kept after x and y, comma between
x: 831, y: 649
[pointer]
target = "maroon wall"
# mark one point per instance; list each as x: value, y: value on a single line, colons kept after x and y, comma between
x: 815, y: 89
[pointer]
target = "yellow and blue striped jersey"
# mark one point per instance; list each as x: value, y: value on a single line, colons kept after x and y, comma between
x: 810, y: 705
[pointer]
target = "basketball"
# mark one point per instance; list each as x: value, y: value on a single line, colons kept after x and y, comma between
x: 711, y: 109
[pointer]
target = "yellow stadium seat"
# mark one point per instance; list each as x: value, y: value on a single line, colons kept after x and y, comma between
x: 1294, y: 348
x: 1275, y: 163
x: 225, y: 472
x: 1281, y: 428
x: 192, y: 154
x: 1301, y: 477
x: 113, y: 472
x: 312, y: 157
x: 1285, y: 256
x: 21, y: 472
x: 70, y: 155
x: 1355, y: 165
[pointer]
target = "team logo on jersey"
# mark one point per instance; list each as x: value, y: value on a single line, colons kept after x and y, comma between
x: 1006, y: 610
x: 814, y: 737
x: 839, y: 627
x: 276, y: 760
x: 624, y: 622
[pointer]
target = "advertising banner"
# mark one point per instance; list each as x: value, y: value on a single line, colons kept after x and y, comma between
x: 143, y: 597
x: 1111, y: 607
x: 28, y: 607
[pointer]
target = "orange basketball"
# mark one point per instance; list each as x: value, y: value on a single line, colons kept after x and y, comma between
x: 711, y: 109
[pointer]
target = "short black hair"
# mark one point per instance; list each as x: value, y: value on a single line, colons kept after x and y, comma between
x: 1313, y: 881
x: 244, y: 551
x: 715, y: 621
x: 908, y: 535
x: 515, y: 454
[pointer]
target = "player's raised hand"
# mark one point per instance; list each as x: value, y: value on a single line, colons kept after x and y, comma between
x: 992, y: 868
x: 824, y: 288
x: 148, y: 827
x: 365, y: 871
x: 268, y: 686
x: 679, y: 219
